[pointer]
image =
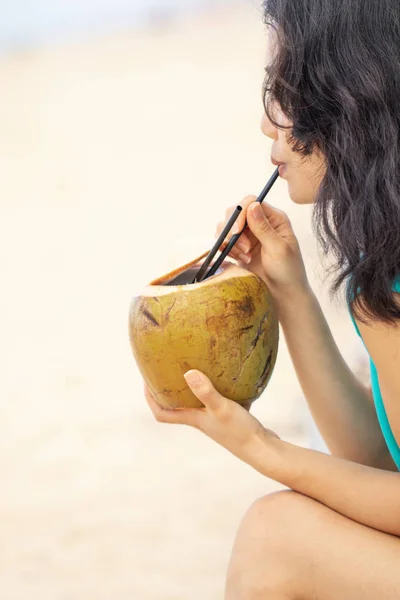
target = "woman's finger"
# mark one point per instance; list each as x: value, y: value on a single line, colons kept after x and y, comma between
x: 204, y: 390
x: 244, y: 243
x: 260, y: 225
x: 241, y: 220
x: 242, y: 247
x: 245, y: 203
x: 277, y: 218
x: 237, y: 253
x: 247, y: 237
x: 172, y: 416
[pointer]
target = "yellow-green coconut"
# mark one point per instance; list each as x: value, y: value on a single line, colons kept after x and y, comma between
x: 225, y: 326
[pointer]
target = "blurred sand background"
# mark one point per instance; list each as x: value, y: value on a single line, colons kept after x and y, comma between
x: 118, y: 155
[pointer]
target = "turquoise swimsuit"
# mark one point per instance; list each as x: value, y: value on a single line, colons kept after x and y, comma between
x: 379, y: 405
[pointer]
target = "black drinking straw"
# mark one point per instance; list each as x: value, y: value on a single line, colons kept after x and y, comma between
x: 235, y: 237
x: 199, y: 277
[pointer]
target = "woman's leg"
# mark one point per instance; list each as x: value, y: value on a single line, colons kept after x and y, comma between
x: 291, y: 547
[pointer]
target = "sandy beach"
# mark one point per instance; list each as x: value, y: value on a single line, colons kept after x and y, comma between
x: 118, y: 157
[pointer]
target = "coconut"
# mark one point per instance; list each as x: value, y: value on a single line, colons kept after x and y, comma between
x: 225, y: 326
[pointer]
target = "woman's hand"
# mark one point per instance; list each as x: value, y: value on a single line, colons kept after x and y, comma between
x: 268, y: 247
x: 222, y: 420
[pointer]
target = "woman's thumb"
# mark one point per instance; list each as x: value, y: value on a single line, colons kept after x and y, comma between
x: 259, y: 224
x: 203, y: 389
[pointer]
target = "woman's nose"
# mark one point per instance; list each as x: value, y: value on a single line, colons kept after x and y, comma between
x: 268, y: 129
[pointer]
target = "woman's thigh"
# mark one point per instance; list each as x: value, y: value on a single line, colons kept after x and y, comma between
x: 310, y: 552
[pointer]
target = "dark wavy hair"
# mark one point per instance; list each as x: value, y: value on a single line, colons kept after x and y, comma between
x: 336, y: 76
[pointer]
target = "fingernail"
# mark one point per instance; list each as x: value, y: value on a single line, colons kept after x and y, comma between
x: 257, y: 212
x: 192, y: 378
x: 236, y: 228
x: 245, y: 258
x: 243, y: 246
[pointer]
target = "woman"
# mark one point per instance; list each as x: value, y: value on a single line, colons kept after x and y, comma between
x: 332, y: 100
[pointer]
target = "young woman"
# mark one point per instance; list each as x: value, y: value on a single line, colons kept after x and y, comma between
x: 332, y: 100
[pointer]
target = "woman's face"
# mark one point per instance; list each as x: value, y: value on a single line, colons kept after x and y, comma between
x: 303, y: 174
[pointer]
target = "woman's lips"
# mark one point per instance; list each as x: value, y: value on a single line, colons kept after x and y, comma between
x: 280, y: 165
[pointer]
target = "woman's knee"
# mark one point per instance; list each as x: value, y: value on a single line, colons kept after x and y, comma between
x: 263, y: 559
x: 273, y: 516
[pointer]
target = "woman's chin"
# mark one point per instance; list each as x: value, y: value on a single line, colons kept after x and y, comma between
x: 300, y: 195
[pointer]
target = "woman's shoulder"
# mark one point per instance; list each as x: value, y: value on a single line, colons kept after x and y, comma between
x: 395, y: 288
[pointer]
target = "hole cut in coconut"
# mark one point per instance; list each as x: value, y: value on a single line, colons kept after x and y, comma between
x: 186, y: 278
x: 186, y: 274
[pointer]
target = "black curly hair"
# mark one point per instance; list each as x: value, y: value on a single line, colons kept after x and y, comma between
x: 336, y: 76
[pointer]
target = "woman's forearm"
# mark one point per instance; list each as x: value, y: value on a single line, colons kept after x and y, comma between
x: 366, y: 495
x: 341, y: 406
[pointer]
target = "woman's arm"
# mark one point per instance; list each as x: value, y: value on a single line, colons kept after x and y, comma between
x: 366, y: 495
x: 341, y: 406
